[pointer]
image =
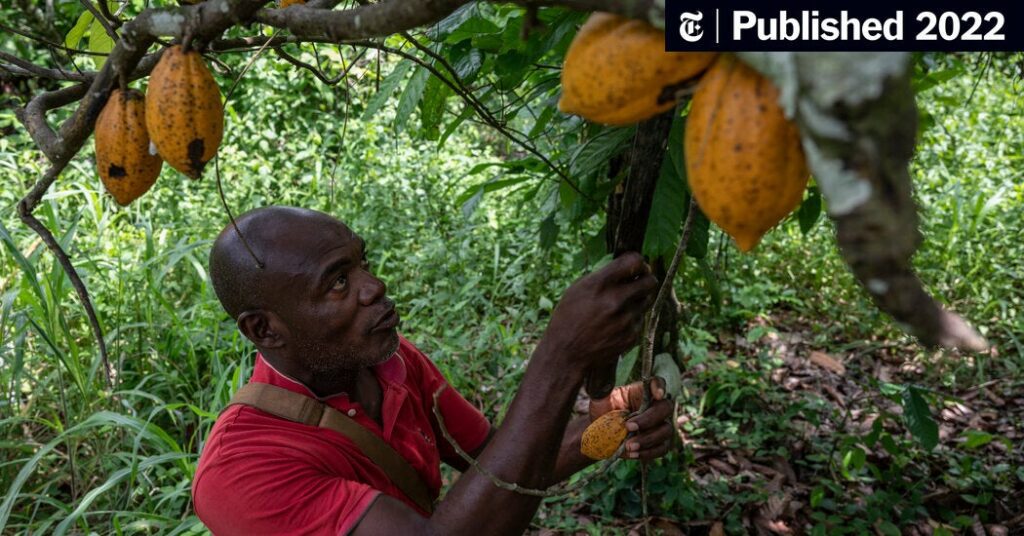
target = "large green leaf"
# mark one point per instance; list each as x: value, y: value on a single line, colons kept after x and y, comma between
x: 467, y: 64
x: 471, y: 28
x: 387, y: 87
x: 669, y: 204
x: 446, y: 26
x: 411, y: 96
x: 74, y: 36
x: 595, y: 153
x: 432, y: 107
x: 99, y: 41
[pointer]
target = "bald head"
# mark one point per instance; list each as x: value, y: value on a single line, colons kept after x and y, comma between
x: 280, y: 237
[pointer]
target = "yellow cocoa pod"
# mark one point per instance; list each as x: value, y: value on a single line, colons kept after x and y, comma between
x: 617, y: 71
x: 123, y: 160
x: 286, y: 3
x: 602, y: 438
x: 744, y: 161
x: 184, y: 113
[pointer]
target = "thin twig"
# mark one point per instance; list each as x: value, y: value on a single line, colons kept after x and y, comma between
x: 650, y: 331
x: 555, y: 491
x: 651, y: 319
x: 115, y: 21
x: 231, y: 217
x: 483, y: 112
x: 48, y: 43
x: 319, y: 74
x: 39, y: 71
x: 25, y: 207
x: 99, y: 17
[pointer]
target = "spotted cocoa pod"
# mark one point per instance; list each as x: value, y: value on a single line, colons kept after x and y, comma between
x: 123, y: 159
x: 184, y: 113
x: 617, y: 71
x: 602, y: 438
x: 744, y: 161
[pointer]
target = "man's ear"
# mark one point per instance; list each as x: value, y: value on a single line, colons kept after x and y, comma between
x: 263, y: 328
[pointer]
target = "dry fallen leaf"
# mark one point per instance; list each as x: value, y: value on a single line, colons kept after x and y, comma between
x: 827, y: 362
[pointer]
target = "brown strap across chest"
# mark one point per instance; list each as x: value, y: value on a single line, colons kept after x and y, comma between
x: 309, y: 411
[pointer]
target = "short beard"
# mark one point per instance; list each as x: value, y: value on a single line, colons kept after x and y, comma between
x: 320, y: 361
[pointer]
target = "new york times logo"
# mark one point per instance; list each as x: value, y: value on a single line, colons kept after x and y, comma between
x: 690, y: 28
x: 794, y: 25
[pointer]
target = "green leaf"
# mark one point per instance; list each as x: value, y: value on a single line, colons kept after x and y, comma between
x: 387, y: 87
x: 446, y: 26
x: 76, y: 33
x: 977, y: 438
x: 593, y: 155
x: 411, y: 96
x: 817, y: 494
x: 512, y: 68
x: 625, y: 366
x: 936, y: 78
x: 467, y: 112
x: 700, y: 233
x: 670, y: 201
x: 542, y: 121
x: 854, y: 459
x: 810, y: 210
x: 468, y: 65
x: 548, y: 232
x: 919, y: 418
x: 489, y: 43
x: 887, y: 528
x: 492, y: 185
x: 471, y: 28
x: 99, y: 41
x: 432, y: 107
x: 666, y: 368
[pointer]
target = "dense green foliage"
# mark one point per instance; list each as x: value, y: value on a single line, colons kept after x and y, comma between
x: 476, y: 239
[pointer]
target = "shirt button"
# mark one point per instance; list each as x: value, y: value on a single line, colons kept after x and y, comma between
x: 352, y: 412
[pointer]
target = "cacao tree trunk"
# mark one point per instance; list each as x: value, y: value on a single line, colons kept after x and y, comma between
x: 629, y: 207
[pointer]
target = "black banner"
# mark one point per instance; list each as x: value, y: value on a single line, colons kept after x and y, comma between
x: 808, y: 25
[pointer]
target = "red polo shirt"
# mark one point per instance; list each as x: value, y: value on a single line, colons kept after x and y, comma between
x: 259, y: 474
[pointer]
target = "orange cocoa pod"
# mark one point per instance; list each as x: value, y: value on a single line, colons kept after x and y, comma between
x: 286, y: 3
x: 744, y: 161
x: 123, y: 159
x: 602, y: 438
x: 617, y: 71
x: 184, y: 113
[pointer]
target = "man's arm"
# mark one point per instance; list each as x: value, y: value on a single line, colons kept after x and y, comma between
x: 597, y: 319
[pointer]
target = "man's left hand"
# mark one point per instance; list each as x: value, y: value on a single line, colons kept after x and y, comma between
x: 652, y: 431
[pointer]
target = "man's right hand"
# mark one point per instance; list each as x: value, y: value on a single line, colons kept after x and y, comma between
x: 600, y: 316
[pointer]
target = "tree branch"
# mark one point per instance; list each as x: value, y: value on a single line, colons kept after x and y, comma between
x: 39, y: 71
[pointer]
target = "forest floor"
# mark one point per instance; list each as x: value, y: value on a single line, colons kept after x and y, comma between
x: 980, y: 432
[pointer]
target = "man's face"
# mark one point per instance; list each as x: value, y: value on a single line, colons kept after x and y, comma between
x: 336, y: 311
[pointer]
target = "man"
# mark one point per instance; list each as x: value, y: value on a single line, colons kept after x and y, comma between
x: 298, y: 284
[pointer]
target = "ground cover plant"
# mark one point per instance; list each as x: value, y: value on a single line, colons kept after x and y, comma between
x: 801, y: 408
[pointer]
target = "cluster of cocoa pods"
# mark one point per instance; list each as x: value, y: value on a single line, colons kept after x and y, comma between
x: 179, y: 120
x: 744, y: 161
